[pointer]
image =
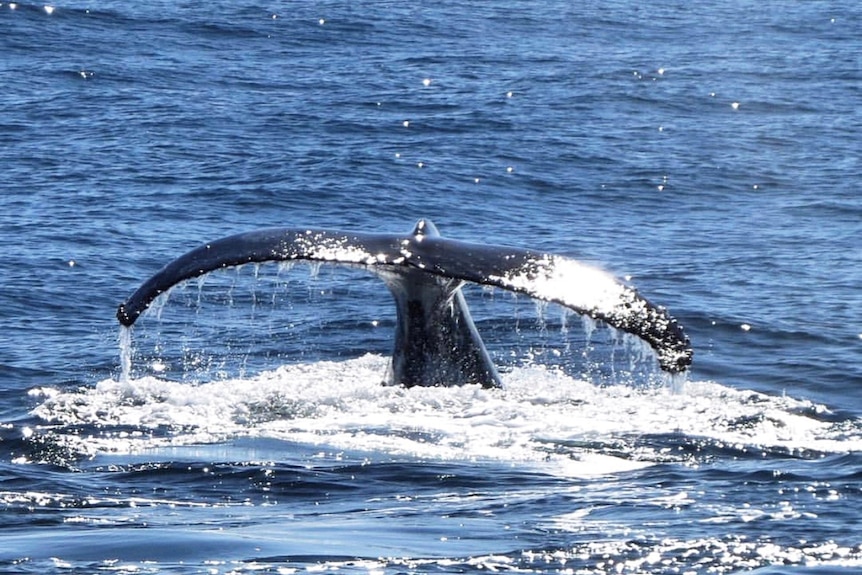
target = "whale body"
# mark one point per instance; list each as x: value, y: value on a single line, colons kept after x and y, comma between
x: 436, y: 341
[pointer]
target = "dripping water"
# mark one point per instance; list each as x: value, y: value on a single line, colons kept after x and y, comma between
x: 677, y: 382
x: 197, y: 343
x: 125, y: 341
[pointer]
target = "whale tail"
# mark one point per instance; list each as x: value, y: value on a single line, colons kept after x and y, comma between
x: 436, y: 342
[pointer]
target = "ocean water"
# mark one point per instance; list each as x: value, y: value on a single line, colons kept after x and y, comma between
x: 707, y: 153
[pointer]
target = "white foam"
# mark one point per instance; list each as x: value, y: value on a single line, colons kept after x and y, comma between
x: 541, y: 417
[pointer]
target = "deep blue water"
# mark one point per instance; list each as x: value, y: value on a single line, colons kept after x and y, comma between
x: 709, y: 153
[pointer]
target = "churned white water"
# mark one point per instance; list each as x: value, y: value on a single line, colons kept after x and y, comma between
x: 540, y: 416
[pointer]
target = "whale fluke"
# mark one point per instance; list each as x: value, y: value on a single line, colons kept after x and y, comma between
x: 436, y: 342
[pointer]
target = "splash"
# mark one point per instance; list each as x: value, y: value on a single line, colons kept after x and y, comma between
x: 554, y: 410
x: 541, y: 417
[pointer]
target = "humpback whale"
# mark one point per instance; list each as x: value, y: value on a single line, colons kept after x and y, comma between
x: 436, y: 341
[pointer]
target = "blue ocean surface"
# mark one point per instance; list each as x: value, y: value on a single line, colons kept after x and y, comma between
x: 706, y: 153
